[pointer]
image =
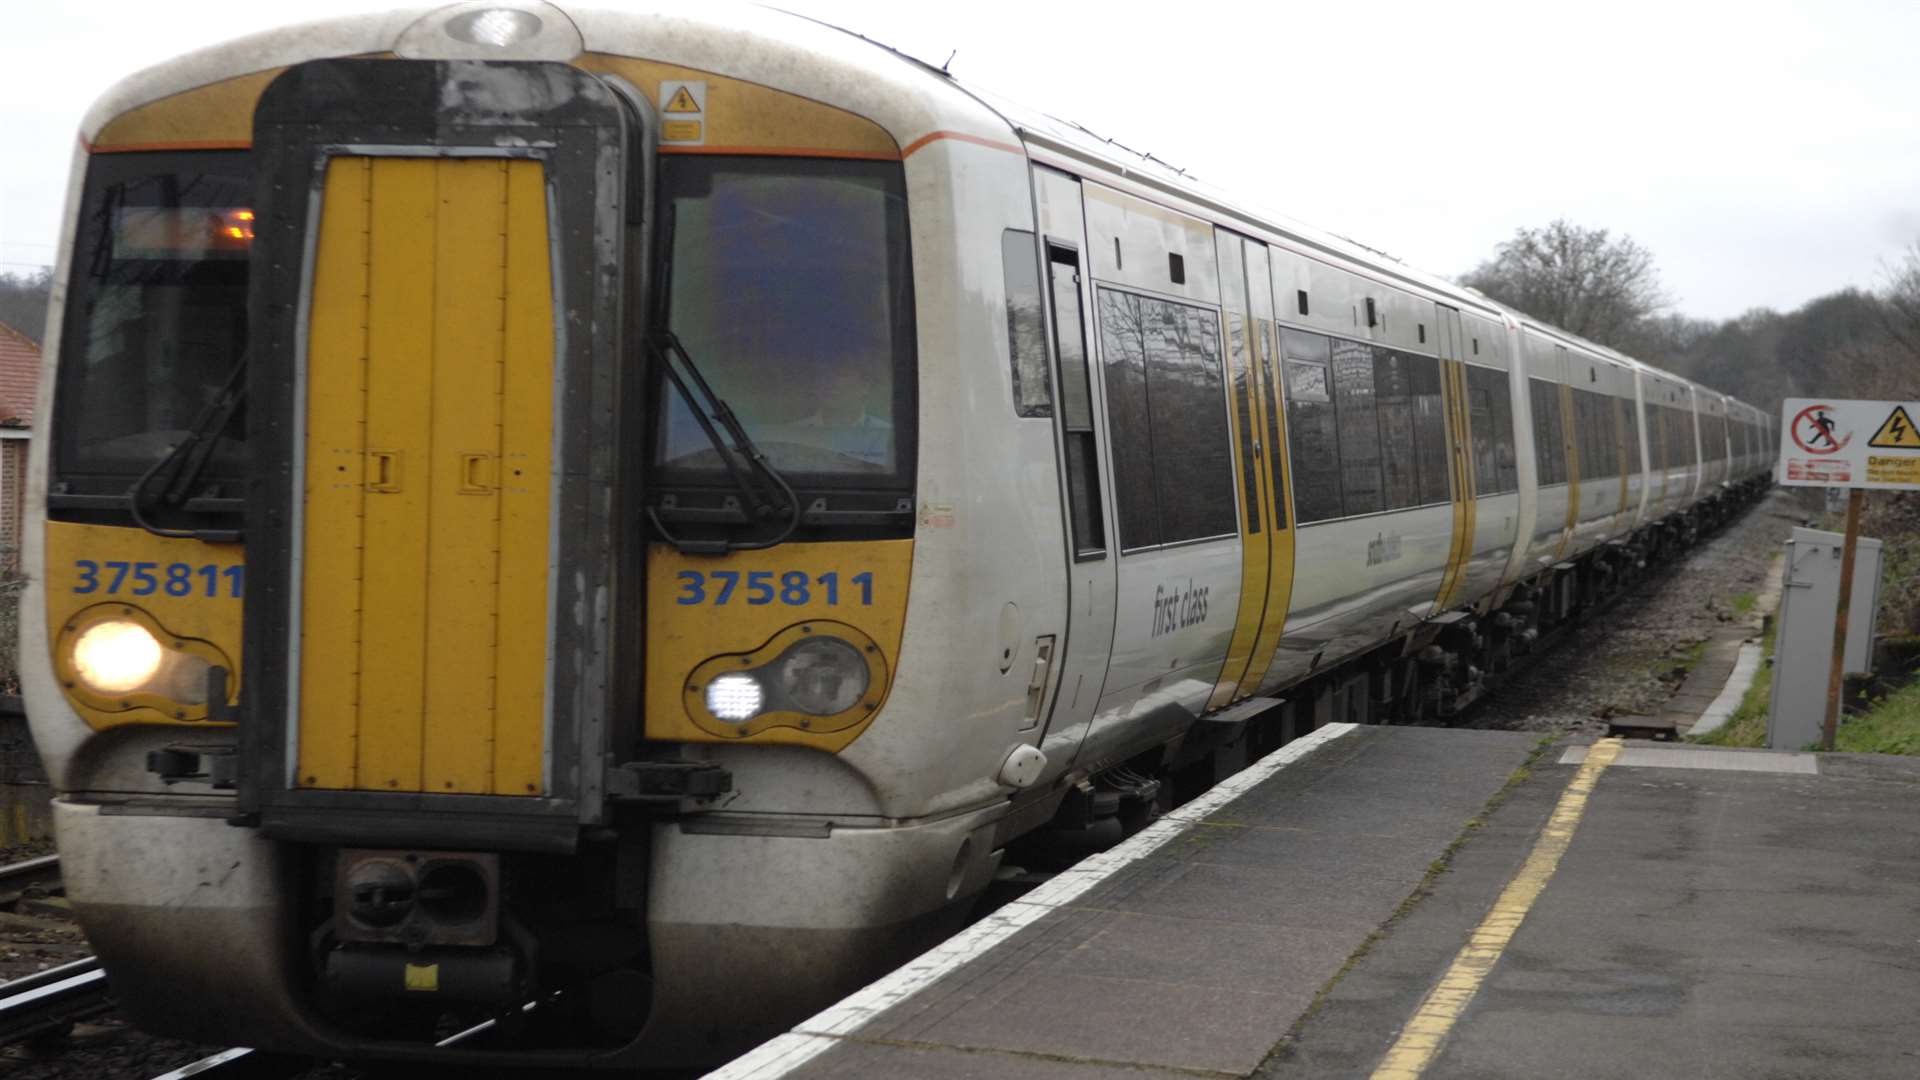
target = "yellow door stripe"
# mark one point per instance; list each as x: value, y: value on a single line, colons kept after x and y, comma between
x: 1420, y: 1041
x: 1453, y: 386
x: 1573, y: 472
x: 1253, y: 545
x: 1273, y: 422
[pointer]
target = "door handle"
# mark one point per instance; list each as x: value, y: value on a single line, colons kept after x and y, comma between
x: 383, y: 470
x: 1037, y: 684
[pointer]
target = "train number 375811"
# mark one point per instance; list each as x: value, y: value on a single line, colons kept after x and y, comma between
x: 758, y: 587
x: 147, y: 578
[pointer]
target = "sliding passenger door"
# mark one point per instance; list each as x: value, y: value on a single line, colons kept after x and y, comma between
x: 1247, y: 302
x: 1082, y: 656
x: 1453, y: 384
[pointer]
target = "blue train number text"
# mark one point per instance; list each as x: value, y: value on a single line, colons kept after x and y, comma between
x: 147, y: 579
x: 792, y: 588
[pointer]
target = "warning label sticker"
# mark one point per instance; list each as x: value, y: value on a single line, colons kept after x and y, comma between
x: 682, y: 101
x: 1882, y: 469
x: 1897, y: 432
x: 1860, y: 444
x: 683, y: 108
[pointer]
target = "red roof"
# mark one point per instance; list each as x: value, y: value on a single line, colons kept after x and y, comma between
x: 19, y: 377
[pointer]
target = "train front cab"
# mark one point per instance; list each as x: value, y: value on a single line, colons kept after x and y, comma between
x: 414, y: 367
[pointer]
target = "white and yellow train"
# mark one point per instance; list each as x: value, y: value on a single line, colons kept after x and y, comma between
x: 636, y: 511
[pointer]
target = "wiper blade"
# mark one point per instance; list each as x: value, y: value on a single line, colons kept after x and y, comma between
x: 736, y: 449
x: 187, y: 459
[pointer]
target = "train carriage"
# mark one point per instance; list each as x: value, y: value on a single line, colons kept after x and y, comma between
x: 634, y: 512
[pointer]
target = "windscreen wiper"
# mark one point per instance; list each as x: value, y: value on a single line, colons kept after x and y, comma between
x: 736, y: 449
x: 183, y: 463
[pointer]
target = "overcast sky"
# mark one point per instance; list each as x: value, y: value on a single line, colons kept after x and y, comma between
x: 1767, y: 153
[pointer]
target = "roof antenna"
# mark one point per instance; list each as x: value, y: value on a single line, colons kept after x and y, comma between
x: 949, y: 63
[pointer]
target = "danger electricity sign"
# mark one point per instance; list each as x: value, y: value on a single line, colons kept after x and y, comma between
x: 1862, y: 444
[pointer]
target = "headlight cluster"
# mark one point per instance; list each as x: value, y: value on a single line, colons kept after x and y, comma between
x: 820, y: 677
x: 817, y: 676
x: 117, y: 657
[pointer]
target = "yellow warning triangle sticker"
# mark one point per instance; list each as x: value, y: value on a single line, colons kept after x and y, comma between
x: 682, y: 102
x: 1897, y: 433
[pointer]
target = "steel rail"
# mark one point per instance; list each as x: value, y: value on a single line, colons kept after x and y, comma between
x: 49, y: 1000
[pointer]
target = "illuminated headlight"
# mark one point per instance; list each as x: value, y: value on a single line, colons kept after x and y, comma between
x: 824, y: 676
x: 735, y: 697
x: 117, y: 657
x: 498, y: 27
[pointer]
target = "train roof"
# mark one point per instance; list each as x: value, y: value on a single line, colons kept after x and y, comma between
x: 713, y: 38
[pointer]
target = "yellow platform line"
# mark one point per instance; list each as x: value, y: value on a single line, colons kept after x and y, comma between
x: 1421, y: 1039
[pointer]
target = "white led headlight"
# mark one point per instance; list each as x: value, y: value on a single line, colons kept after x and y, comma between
x: 115, y: 657
x: 735, y: 697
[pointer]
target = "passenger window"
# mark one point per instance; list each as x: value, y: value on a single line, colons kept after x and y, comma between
x: 1026, y: 334
x: 1274, y: 457
x: 1076, y: 408
x: 1549, y: 438
x: 1393, y: 394
x: 1166, y: 402
x: 1413, y: 428
x: 1362, y: 489
x: 1429, y: 429
x: 1243, y: 407
x: 1631, y: 412
x: 1313, y: 434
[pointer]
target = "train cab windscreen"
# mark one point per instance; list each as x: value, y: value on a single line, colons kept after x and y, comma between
x: 156, y: 318
x: 789, y: 285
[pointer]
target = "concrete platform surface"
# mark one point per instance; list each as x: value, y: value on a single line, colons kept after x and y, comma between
x: 1713, y: 914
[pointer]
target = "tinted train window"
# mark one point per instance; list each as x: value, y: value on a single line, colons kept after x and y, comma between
x: 156, y: 314
x: 1393, y: 390
x: 1413, y: 428
x: 1429, y: 428
x: 1490, y: 402
x: 1313, y: 434
x: 1594, y: 429
x: 1173, y: 463
x: 1630, y: 412
x: 790, y: 282
x: 1243, y: 409
x: 1026, y: 334
x: 1549, y: 438
x: 1362, y: 488
x: 1275, y: 459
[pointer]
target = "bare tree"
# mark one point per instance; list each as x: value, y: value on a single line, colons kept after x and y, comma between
x: 1579, y: 279
x: 23, y: 301
x: 1902, y: 296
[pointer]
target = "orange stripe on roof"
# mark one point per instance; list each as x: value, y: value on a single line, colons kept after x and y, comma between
x: 129, y: 148
x: 785, y: 151
x: 936, y: 136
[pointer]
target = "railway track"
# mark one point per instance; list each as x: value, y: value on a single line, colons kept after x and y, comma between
x: 47, y: 1002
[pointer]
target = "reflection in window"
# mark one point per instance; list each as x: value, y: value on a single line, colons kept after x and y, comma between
x: 1549, y: 434
x: 1490, y: 401
x: 1362, y: 490
x: 1026, y: 334
x: 157, y: 313
x: 789, y: 283
x: 1313, y: 435
x: 1173, y: 465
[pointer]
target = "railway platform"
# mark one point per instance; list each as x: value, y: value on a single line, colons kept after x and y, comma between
x: 1407, y: 902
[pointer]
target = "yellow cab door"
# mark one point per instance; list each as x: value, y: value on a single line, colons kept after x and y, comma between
x: 428, y: 454
x: 439, y: 443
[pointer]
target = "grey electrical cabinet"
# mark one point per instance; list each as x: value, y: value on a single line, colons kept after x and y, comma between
x: 1803, y: 648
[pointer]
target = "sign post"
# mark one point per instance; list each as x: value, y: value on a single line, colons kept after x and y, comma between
x: 1835, y: 677
x: 1858, y: 445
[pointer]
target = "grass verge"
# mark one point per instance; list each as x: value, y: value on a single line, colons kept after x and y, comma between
x: 1892, y: 726
x: 1748, y: 724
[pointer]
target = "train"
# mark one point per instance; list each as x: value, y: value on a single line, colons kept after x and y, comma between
x: 611, y: 522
